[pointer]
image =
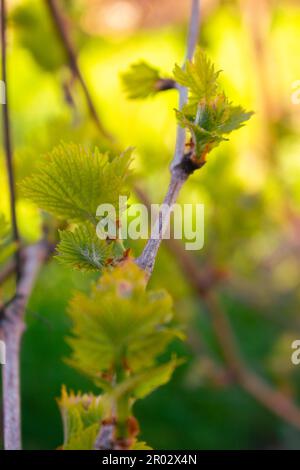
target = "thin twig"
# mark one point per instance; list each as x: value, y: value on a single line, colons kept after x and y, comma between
x: 147, y: 259
x: 61, y: 26
x: 11, y: 328
x: 178, y: 175
x: 183, y: 93
x: 7, y: 139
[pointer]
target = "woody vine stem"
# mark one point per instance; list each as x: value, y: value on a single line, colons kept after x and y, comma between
x: 26, y: 267
x: 179, y: 174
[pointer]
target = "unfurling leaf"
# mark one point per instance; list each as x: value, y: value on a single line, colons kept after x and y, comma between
x: 81, y: 415
x: 143, y: 80
x: 120, y: 324
x: 209, y: 115
x: 199, y: 76
x: 73, y: 182
x: 83, y: 250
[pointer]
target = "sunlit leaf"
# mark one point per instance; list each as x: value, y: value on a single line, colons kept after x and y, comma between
x: 120, y: 324
x: 73, y: 181
x: 208, y: 115
x: 199, y: 76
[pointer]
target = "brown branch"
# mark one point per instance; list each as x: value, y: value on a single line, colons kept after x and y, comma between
x: 179, y: 174
x: 12, y: 327
x: 183, y: 93
x: 7, y: 138
x: 164, y: 84
x: 61, y: 26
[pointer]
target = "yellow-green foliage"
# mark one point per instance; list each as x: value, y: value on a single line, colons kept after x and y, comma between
x: 120, y: 326
x: 208, y: 115
x: 81, y: 415
x: 200, y: 77
x: 140, y: 80
x: 73, y: 181
x: 70, y: 184
x: 82, y: 249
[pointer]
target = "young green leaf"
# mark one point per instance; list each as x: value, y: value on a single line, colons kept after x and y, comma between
x: 199, y: 76
x: 120, y: 324
x: 81, y: 415
x: 143, y: 80
x: 81, y: 249
x: 73, y: 182
x: 209, y: 115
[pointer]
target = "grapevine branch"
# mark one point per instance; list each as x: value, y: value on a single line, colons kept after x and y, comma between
x: 7, y: 137
x: 179, y: 174
x: 26, y: 266
x: 11, y: 329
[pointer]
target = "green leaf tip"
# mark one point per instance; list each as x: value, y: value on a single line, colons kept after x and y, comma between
x: 81, y: 416
x: 81, y: 249
x: 208, y: 115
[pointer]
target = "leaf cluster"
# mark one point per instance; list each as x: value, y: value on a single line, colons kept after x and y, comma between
x: 209, y: 115
x: 119, y: 330
x: 70, y: 184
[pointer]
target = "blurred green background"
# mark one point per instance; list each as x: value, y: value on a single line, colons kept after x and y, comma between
x: 250, y: 188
